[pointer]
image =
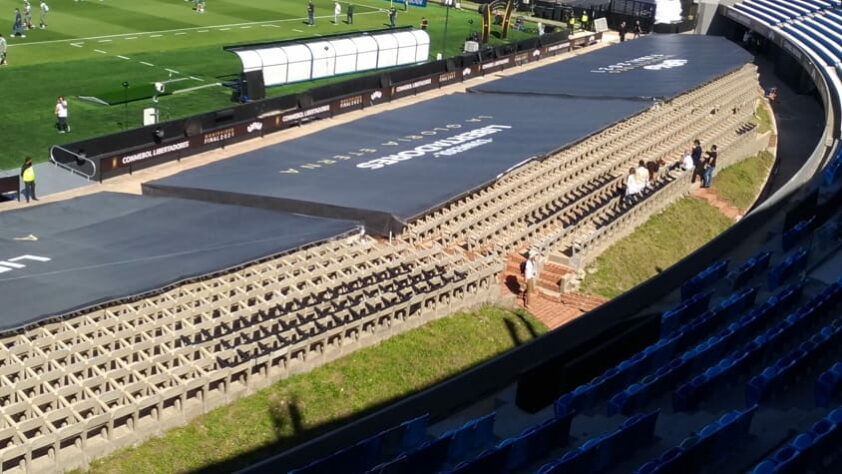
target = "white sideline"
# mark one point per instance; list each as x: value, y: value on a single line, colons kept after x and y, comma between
x: 139, y: 33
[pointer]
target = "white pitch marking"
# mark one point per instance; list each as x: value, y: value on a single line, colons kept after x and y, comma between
x: 78, y: 45
x: 147, y: 64
x: 297, y: 31
x: 104, y: 41
x: 197, y: 79
x: 122, y: 35
x: 271, y: 26
x: 224, y: 29
x: 172, y: 71
x: 245, y: 27
x: 100, y: 51
x: 123, y: 57
x: 131, y: 38
x: 181, y: 33
x: 155, y: 36
x: 202, y: 31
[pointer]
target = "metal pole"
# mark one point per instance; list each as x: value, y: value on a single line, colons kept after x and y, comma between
x: 446, y: 19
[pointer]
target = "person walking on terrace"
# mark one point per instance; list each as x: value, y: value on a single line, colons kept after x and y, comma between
x: 529, y: 273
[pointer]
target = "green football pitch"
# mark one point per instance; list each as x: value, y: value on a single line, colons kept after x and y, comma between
x: 90, y: 47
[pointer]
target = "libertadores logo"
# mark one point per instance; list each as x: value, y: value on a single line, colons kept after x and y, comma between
x: 666, y: 64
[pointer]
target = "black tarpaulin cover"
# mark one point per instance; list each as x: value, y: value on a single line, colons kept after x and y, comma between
x: 397, y: 165
x: 59, y: 257
x: 652, y: 67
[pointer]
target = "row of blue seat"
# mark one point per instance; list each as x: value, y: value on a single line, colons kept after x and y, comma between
x: 686, y: 310
x: 449, y: 447
x: 813, y: 44
x: 791, y: 266
x: 780, y: 11
x: 811, y: 451
x: 658, y: 354
x: 371, y: 451
x: 688, y: 395
x: 828, y: 384
x: 708, y: 446
x: 832, y: 50
x: 752, y: 267
x: 605, y: 450
x: 515, y: 452
x: 698, y: 360
x: 797, y: 233
x: 833, y: 170
x: 704, y: 279
x: 784, y: 369
x: 733, y: 304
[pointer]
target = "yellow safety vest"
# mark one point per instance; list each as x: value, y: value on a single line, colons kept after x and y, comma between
x: 584, y: 18
x: 29, y: 175
x: 572, y: 21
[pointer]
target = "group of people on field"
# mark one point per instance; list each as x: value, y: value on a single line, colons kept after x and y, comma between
x: 392, y: 13
x: 22, y: 24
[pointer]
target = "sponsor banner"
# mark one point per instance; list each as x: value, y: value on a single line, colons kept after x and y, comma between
x: 522, y: 58
x: 451, y: 77
x: 470, y: 72
x: 347, y: 104
x: 403, y: 89
x: 497, y: 64
x: 555, y: 49
x: 378, y: 96
x: 304, y: 115
x: 186, y: 146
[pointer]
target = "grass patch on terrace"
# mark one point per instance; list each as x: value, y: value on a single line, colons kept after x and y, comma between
x: 663, y: 240
x: 305, y: 405
x: 740, y: 184
x: 762, y: 118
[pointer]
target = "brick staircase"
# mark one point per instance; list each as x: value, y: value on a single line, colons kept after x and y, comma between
x: 549, y: 305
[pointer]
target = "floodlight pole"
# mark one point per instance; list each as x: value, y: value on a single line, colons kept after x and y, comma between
x: 125, y: 104
x: 447, y: 5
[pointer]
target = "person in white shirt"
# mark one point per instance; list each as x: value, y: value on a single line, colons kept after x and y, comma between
x: 337, y: 10
x: 633, y: 185
x: 642, y: 174
x: 529, y: 273
x: 687, y: 162
x: 61, y: 115
x: 3, y: 48
x: 44, y: 10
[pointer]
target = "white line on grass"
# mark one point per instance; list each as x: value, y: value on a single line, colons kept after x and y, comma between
x: 154, y: 34
x: 147, y: 64
x: 100, y: 51
x: 197, y: 79
x: 104, y: 41
x: 297, y: 31
x: 204, y: 86
x: 202, y: 31
x: 224, y: 29
x: 271, y: 26
x: 132, y: 38
x: 172, y: 71
x: 243, y: 27
x: 123, y: 57
x: 78, y: 45
x: 181, y: 33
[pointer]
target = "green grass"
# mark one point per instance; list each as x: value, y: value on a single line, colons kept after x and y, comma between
x: 303, y: 406
x: 762, y: 119
x: 64, y: 59
x: 663, y: 240
x: 740, y: 184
